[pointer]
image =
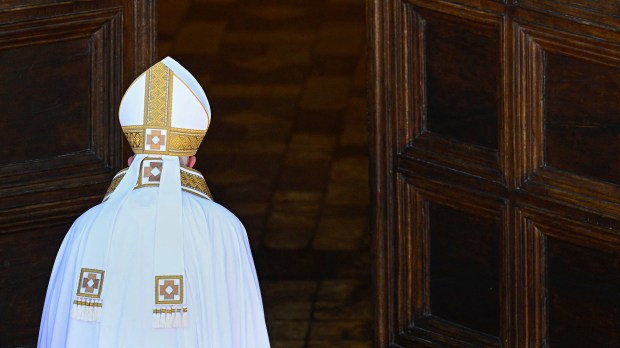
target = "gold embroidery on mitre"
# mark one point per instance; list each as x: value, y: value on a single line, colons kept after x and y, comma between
x: 135, y: 139
x: 177, y: 141
x: 181, y: 143
x: 156, y: 134
x: 157, y: 97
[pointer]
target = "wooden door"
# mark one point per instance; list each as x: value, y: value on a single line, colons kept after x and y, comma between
x: 63, y: 68
x: 495, y: 152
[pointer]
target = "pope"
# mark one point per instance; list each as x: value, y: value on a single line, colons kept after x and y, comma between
x: 158, y: 263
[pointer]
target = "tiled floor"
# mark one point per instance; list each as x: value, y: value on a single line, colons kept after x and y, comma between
x: 287, y: 151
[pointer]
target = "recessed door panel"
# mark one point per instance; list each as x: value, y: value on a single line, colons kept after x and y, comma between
x: 451, y: 88
x: 48, y: 85
x: 582, y: 117
x: 455, y: 264
x: 573, y: 281
x: 495, y: 172
x: 462, y: 77
x: 583, y: 295
x: 567, y: 117
x: 464, y: 268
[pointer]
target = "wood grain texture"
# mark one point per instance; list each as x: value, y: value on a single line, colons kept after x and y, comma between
x: 452, y: 106
x: 462, y: 92
x: 566, y: 136
x: 65, y: 67
x: 533, y: 167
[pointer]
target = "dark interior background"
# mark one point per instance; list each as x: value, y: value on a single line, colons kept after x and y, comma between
x: 287, y: 151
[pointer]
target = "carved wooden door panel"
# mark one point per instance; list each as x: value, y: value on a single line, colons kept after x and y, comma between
x: 63, y: 67
x: 496, y: 172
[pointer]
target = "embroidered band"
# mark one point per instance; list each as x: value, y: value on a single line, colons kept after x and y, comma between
x: 169, y: 309
x: 87, y: 303
x: 150, y: 175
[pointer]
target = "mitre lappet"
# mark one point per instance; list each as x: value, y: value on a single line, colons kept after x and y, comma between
x: 164, y: 114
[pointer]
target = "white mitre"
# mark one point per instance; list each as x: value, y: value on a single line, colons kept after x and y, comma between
x: 165, y: 111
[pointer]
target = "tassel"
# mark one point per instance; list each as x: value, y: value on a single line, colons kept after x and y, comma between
x: 74, y: 310
x: 92, y: 310
x: 155, y: 320
x: 97, y: 311
x: 185, y: 318
x: 86, y: 310
x: 177, y: 317
x: 89, y: 310
x: 81, y: 312
x: 169, y: 317
x: 162, y: 318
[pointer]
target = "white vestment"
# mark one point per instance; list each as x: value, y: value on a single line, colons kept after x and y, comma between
x: 223, y: 296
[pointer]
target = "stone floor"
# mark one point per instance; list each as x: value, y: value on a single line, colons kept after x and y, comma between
x: 287, y: 151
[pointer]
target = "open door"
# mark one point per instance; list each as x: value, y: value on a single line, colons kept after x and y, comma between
x: 63, y: 67
x: 495, y: 154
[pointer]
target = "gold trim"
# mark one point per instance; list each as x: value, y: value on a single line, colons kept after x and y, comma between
x: 197, y: 98
x: 157, y: 97
x: 140, y: 128
x: 114, y: 184
x: 90, y: 270
x: 183, y: 143
x: 147, y: 92
x: 169, y: 98
x: 187, y: 131
x: 135, y: 128
x: 170, y: 310
x: 87, y: 304
x: 168, y: 277
x: 192, y: 181
x: 192, y: 170
x: 135, y: 140
x: 179, y: 141
x: 201, y: 195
